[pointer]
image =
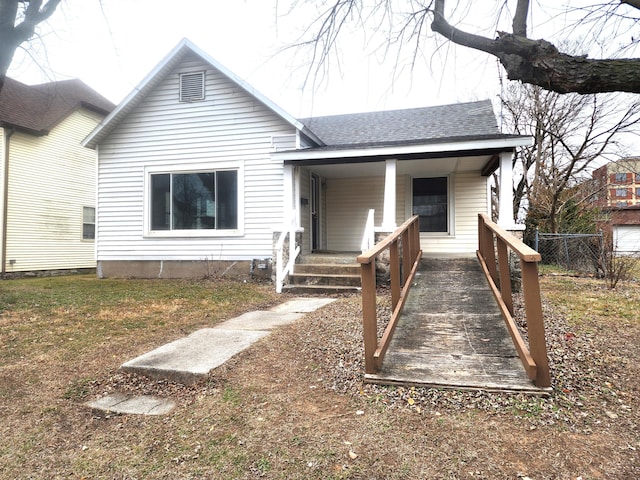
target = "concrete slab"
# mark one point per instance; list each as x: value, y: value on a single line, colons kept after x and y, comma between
x: 302, y: 305
x: 141, y: 405
x: 190, y: 359
x: 259, y: 320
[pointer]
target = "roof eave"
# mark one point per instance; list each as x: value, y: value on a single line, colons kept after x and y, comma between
x: 506, y: 143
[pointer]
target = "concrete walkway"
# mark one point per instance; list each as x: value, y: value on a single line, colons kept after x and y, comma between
x: 190, y: 359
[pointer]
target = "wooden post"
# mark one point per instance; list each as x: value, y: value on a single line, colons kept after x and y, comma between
x: 505, y: 274
x: 535, y: 322
x: 488, y: 251
x: 407, y: 247
x: 394, y: 270
x: 369, y: 321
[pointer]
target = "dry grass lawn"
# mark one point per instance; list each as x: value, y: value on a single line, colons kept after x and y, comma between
x: 293, y: 405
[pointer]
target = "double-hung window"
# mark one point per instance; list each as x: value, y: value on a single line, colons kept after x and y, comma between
x: 188, y: 201
x: 88, y: 223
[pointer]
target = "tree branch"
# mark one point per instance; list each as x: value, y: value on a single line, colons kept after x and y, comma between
x: 520, y: 18
x: 539, y: 62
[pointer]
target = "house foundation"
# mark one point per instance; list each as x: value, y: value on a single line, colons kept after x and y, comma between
x: 238, y: 269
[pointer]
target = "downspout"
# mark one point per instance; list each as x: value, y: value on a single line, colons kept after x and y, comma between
x: 8, y: 132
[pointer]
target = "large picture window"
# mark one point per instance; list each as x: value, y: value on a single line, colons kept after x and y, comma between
x: 194, y: 201
x: 431, y: 203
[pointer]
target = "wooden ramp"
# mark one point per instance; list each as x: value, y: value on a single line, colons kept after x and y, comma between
x: 452, y: 335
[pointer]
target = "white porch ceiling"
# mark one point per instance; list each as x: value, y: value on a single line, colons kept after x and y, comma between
x: 431, y: 166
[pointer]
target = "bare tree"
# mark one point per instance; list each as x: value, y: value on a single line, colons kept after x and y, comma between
x: 571, y: 132
x: 537, y: 62
x: 18, y: 22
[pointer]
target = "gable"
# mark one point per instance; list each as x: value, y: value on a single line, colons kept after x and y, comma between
x: 223, y: 116
x: 185, y: 51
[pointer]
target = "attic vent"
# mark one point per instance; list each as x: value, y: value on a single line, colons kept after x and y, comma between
x: 191, y: 87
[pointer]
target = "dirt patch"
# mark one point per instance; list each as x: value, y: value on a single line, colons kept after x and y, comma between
x: 294, y: 406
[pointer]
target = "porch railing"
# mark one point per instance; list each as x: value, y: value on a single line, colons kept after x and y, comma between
x: 404, y: 257
x: 368, y: 238
x: 282, y: 270
x: 491, y: 240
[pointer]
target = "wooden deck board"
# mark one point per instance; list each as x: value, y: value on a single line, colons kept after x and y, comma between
x: 452, y: 335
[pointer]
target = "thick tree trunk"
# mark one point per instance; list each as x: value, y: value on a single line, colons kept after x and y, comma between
x: 539, y: 62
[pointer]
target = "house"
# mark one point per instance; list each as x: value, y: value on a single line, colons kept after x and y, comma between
x: 47, y: 178
x: 619, y: 198
x: 197, y: 169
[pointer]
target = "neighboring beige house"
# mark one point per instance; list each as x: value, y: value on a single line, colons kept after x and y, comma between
x: 197, y: 167
x: 619, y: 184
x: 47, y: 178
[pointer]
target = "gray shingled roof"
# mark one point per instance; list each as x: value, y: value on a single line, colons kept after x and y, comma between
x: 39, y: 108
x: 460, y: 120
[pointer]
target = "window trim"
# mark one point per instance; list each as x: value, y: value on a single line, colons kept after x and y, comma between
x: 193, y: 168
x: 450, y: 206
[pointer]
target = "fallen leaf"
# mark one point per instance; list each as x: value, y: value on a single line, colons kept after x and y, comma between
x: 352, y: 455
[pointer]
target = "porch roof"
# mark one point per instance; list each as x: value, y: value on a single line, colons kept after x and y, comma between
x: 445, y: 131
x: 468, y: 146
x: 443, y: 122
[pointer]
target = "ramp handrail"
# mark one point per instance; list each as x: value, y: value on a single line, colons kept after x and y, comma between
x: 404, y: 257
x: 492, y: 239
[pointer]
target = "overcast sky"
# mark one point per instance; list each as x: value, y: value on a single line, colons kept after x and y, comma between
x: 111, y: 45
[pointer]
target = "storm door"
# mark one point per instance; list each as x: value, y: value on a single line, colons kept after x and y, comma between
x: 315, y: 212
x: 431, y: 203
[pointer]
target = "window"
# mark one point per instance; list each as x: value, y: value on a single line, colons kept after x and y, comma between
x: 637, y: 177
x: 194, y: 201
x: 621, y: 177
x: 191, y: 87
x: 88, y: 223
x: 431, y: 203
x: 621, y: 192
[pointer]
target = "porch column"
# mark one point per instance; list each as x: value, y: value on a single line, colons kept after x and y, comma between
x: 288, y: 190
x: 505, y: 193
x: 389, y: 211
x: 296, y: 195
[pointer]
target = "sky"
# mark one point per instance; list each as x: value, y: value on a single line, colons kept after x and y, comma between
x: 112, y: 44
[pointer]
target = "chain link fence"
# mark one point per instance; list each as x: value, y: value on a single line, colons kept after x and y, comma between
x: 581, y: 253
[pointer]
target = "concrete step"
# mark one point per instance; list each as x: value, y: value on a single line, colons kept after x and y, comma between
x: 324, y: 279
x: 328, y: 258
x: 310, y: 290
x: 328, y: 268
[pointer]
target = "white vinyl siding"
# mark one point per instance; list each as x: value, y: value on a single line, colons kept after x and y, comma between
x: 469, y: 192
x: 229, y: 127
x: 51, y: 179
x: 348, y: 204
